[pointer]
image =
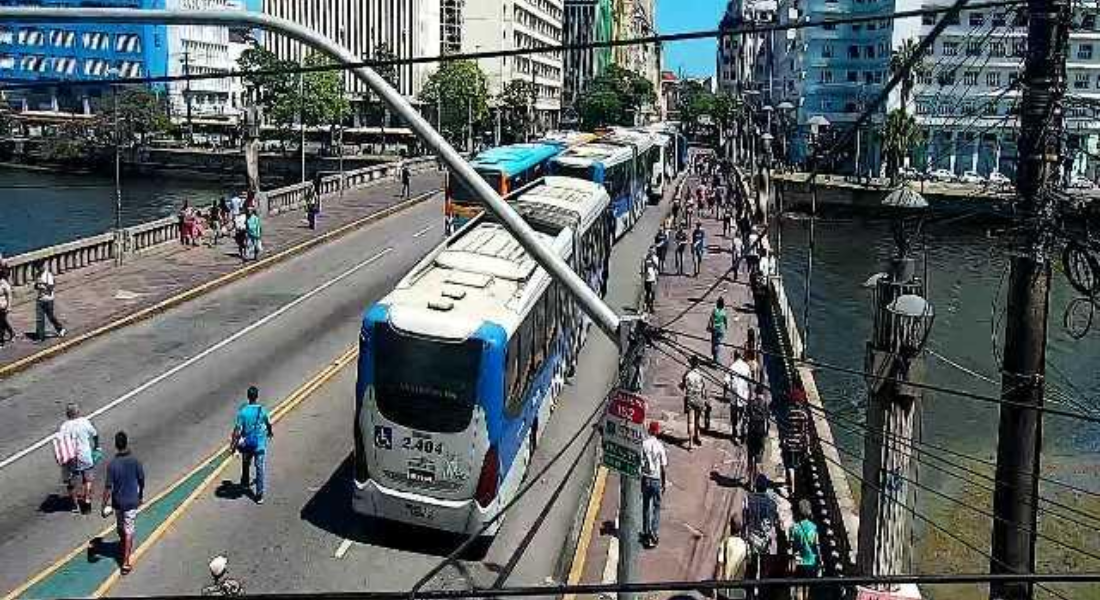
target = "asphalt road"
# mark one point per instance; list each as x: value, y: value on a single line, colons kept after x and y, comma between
x: 304, y: 538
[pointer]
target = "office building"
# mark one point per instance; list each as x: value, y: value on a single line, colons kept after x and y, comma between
x: 450, y: 25
x: 407, y: 27
x: 586, y: 21
x: 201, y: 50
x: 519, y: 24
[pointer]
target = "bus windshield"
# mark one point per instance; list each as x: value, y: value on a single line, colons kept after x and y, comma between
x: 425, y: 384
x: 462, y: 194
x: 574, y: 171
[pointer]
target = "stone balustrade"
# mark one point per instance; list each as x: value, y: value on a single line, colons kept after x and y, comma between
x: 89, y: 251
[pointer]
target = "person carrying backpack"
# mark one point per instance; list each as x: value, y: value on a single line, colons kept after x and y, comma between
x: 757, y: 430
x: 251, y: 431
x: 806, y: 546
x: 760, y: 513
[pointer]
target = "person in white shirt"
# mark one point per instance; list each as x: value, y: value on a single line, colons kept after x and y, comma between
x: 654, y: 464
x: 695, y: 392
x: 738, y: 388
x: 45, y: 286
x: 649, y: 275
x: 78, y: 472
x: 7, y: 334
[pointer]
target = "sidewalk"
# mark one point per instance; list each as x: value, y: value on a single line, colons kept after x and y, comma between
x: 97, y: 296
x: 707, y: 484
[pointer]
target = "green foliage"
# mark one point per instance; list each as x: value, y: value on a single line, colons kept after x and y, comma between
x: 695, y: 101
x: 459, y: 92
x: 897, y: 63
x: 614, y: 98
x: 141, y: 114
x: 514, y: 104
x: 900, y: 135
x: 322, y: 101
x: 374, y: 110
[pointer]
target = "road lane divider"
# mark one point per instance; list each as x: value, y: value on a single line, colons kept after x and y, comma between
x: 423, y: 231
x: 81, y: 573
x: 201, y: 355
x: 205, y: 288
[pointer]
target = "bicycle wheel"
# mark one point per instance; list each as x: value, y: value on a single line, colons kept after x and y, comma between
x: 1078, y: 317
x: 1082, y: 269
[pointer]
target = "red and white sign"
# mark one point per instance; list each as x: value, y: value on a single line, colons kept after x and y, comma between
x: 627, y: 406
x: 623, y: 432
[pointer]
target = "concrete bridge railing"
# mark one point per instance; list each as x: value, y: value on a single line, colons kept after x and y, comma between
x: 86, y: 252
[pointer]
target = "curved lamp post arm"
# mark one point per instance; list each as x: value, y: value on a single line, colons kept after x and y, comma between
x: 589, y: 301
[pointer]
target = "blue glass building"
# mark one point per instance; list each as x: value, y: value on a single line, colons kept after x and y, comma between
x: 77, y: 52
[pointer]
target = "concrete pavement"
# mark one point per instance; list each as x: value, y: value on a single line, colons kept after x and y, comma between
x: 94, y: 298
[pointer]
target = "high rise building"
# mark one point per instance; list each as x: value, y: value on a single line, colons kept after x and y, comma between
x: 408, y: 28
x: 518, y: 24
x: 586, y: 21
x: 635, y: 19
x: 966, y: 96
x: 97, y: 52
x: 78, y: 53
x: 450, y: 25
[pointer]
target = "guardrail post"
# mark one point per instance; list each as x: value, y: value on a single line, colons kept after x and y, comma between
x: 118, y: 246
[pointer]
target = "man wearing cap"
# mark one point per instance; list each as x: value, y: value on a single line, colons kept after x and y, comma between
x: 654, y: 462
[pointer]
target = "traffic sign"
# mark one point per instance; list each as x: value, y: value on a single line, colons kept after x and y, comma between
x: 623, y: 432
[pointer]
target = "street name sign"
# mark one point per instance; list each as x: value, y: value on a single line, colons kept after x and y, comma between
x: 623, y: 432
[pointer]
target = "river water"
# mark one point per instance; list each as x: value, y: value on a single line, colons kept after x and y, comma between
x: 39, y: 209
x: 966, y: 268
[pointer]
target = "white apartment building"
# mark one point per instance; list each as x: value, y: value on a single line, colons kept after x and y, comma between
x: 966, y: 96
x: 410, y: 28
x: 512, y: 24
x: 201, y: 50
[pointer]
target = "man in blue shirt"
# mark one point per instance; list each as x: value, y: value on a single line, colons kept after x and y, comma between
x: 250, y: 434
x: 125, y: 489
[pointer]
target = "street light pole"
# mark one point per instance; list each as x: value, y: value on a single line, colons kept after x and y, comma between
x: 118, y: 157
x: 302, y: 122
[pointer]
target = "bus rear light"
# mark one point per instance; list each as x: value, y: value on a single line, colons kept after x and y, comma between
x: 487, y: 481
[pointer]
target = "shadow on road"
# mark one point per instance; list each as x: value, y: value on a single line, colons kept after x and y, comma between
x: 330, y: 510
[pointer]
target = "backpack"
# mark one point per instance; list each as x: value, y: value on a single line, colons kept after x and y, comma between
x: 760, y: 536
x: 758, y: 418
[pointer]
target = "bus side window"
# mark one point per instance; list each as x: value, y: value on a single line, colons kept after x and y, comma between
x: 513, y: 390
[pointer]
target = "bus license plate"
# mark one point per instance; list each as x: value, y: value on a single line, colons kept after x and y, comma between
x: 421, y: 475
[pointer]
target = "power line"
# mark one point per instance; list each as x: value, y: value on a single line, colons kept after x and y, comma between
x: 812, y: 362
x: 546, y: 49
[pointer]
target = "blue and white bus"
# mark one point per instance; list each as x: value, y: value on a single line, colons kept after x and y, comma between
x: 506, y: 169
x: 460, y: 365
x: 621, y: 162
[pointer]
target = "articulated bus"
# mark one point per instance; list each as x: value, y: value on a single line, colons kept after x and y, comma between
x: 621, y: 162
x: 506, y: 168
x: 460, y: 365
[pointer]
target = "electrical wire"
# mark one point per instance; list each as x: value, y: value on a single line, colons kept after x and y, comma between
x: 544, y: 49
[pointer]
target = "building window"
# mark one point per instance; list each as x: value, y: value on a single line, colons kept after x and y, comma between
x: 1013, y: 78
x: 998, y: 19
x: 1081, y: 81
x: 946, y: 78
x: 826, y: 76
x: 950, y: 48
x: 1088, y: 21
x: 928, y: 19
x: 970, y: 78
x: 853, y: 76
x: 827, y: 51
x: 973, y: 48
x: 1020, y: 20
x: 1084, y: 52
x: 997, y: 49
x: 853, y: 51
x: 868, y: 77
x: 829, y: 26
x: 977, y: 19
x: 993, y: 79
x: 951, y: 18
x: 857, y: 27
x: 871, y: 26
x: 1019, y: 48
x: 868, y: 52
x: 924, y: 78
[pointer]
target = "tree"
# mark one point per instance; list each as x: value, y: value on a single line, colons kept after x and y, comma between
x: 376, y: 109
x: 898, y: 59
x: 900, y: 134
x: 695, y: 100
x: 324, y: 103
x: 615, y: 97
x: 459, y: 92
x: 514, y: 104
x: 141, y: 114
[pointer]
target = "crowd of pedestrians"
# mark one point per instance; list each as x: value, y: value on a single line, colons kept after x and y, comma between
x: 756, y: 544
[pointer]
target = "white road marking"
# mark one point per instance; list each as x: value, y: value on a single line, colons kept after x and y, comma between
x: 342, y: 550
x: 423, y: 231
x: 212, y: 349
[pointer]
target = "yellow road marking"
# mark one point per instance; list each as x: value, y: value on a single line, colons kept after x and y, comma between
x: 221, y: 281
x: 290, y: 403
x: 580, y: 555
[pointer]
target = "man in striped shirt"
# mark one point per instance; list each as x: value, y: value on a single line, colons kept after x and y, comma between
x: 796, y: 435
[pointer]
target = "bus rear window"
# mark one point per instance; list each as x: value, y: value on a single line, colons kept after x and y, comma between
x: 462, y: 194
x: 574, y: 171
x: 425, y: 384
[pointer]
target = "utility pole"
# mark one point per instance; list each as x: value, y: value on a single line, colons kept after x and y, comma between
x: 901, y: 318
x: 631, y: 377
x: 469, y: 124
x: 187, y: 96
x: 118, y: 173
x: 1020, y: 437
x: 302, y: 122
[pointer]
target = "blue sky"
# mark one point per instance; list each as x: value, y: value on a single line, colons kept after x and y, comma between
x: 696, y: 57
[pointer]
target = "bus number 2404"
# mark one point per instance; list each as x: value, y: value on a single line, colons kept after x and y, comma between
x: 420, y: 444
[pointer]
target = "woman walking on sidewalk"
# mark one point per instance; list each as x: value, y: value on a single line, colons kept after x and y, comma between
x: 681, y: 247
x: 7, y: 334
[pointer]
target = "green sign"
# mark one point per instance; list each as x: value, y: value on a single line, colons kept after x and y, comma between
x: 623, y: 460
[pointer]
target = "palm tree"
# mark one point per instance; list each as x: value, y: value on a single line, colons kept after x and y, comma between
x: 898, y: 59
x: 899, y: 135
